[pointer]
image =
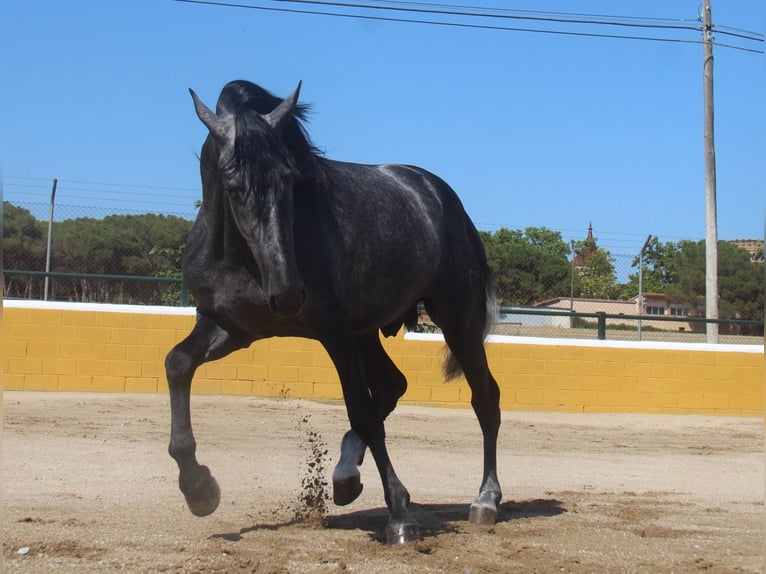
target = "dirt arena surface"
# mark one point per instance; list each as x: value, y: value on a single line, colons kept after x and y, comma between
x: 89, y: 487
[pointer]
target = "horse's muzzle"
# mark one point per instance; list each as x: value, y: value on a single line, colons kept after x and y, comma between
x: 288, y: 302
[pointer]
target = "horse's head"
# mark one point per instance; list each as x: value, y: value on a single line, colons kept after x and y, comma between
x: 255, y: 174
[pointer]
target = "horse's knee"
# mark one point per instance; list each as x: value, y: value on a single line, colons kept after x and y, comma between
x: 399, y: 384
x: 387, y: 391
x: 397, y: 389
x: 178, y: 365
x: 486, y: 396
x: 367, y: 424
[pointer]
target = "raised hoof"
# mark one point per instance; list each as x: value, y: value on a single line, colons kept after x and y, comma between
x: 482, y: 514
x: 402, y: 532
x: 346, y: 490
x: 204, y: 498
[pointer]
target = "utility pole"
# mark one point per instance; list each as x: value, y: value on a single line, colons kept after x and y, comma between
x: 711, y: 217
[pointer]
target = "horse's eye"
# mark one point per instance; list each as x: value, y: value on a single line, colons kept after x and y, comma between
x: 233, y: 180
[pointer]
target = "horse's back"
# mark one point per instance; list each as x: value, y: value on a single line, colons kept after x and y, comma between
x: 395, y: 199
x: 400, y: 212
x: 393, y: 234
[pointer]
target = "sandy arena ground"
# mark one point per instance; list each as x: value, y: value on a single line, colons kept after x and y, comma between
x: 89, y: 487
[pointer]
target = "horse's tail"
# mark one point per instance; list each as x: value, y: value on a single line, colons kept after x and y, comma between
x: 452, y: 368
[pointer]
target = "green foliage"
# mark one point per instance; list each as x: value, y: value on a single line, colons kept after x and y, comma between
x: 117, y: 244
x: 687, y: 286
x: 659, y: 269
x: 678, y: 271
x: 595, y: 277
x: 24, y: 239
x: 131, y: 245
x: 598, y: 277
x: 24, y: 245
x: 740, y: 284
x: 171, y: 267
x: 529, y: 266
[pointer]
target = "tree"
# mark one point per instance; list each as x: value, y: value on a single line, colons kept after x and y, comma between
x: 740, y: 284
x: 133, y: 245
x: 659, y: 269
x: 687, y: 286
x: 677, y: 270
x: 529, y: 266
x: 170, y: 268
x: 24, y: 245
x: 596, y: 274
x: 117, y: 244
x: 23, y: 239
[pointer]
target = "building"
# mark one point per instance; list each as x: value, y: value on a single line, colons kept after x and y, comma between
x: 655, y: 304
x: 753, y: 246
x: 588, y: 246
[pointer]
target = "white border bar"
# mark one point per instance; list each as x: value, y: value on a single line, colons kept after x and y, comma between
x: 518, y: 340
x: 99, y: 307
x: 609, y: 344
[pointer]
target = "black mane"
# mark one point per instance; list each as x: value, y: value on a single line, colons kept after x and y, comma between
x: 240, y: 96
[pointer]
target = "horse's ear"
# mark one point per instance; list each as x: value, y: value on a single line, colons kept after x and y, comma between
x: 219, y: 129
x: 283, y: 113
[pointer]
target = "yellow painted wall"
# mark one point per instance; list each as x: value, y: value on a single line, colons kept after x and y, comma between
x: 59, y: 349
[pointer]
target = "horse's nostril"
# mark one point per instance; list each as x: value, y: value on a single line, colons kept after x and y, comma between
x: 289, y: 303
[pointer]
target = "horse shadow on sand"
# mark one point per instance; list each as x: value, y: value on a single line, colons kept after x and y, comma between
x: 433, y: 519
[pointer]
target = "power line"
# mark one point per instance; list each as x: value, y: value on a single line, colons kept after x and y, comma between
x: 568, y: 17
x: 757, y: 35
x: 99, y: 183
x: 744, y: 34
x: 476, y: 25
x: 511, y: 10
x: 499, y: 13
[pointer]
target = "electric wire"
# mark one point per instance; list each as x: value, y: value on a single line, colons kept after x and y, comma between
x: 550, y: 17
x: 476, y: 25
x: 436, y: 9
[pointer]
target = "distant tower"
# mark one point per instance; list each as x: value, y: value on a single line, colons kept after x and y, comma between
x: 588, y: 247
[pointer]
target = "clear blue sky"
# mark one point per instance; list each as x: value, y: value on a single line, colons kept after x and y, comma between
x: 530, y: 129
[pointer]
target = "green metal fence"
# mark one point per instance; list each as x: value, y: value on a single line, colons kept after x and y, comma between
x: 95, y: 288
x: 613, y: 326
x: 532, y: 322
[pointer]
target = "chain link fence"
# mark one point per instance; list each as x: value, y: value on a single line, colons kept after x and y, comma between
x: 95, y: 254
x: 548, y: 285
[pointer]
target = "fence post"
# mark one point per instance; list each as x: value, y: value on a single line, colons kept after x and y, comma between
x: 601, y: 316
x: 50, y: 232
x: 184, y: 294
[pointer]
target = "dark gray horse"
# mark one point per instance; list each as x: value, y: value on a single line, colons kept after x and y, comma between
x: 288, y: 243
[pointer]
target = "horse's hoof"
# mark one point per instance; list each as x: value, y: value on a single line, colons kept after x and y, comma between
x: 204, y: 498
x: 482, y: 514
x: 402, y: 532
x: 346, y: 490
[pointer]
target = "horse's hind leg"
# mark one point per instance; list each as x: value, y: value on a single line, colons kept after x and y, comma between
x: 207, y: 342
x: 485, y: 400
x: 386, y: 383
x: 464, y: 335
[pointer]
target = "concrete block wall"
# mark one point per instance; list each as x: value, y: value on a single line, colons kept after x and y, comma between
x: 110, y: 348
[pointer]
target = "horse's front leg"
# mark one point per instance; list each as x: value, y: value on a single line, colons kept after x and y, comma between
x: 346, y: 478
x: 387, y: 384
x: 367, y: 424
x: 207, y: 342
